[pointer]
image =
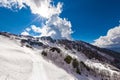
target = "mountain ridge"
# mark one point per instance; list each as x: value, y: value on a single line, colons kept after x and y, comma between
x: 78, y: 58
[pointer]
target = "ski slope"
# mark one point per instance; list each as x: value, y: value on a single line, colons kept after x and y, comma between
x: 22, y: 63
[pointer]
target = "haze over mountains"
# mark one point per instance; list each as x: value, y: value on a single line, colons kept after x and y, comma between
x: 44, y: 58
x: 117, y: 49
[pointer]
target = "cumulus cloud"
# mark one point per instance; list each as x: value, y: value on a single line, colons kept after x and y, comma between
x: 112, y: 39
x: 44, y: 8
x: 25, y: 33
x: 43, y: 31
x: 12, y: 4
x: 60, y: 26
x: 54, y: 26
x: 28, y: 29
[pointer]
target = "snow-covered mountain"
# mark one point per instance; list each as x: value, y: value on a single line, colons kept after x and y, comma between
x: 44, y: 58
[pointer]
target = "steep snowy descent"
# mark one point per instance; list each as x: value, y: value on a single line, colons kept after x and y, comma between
x: 21, y: 63
x: 44, y: 58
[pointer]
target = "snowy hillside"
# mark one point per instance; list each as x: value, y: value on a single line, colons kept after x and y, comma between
x: 22, y: 63
x: 43, y: 58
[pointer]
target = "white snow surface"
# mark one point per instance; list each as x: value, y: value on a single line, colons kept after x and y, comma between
x: 22, y: 63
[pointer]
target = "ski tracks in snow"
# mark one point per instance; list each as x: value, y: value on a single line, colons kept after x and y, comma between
x: 38, y: 72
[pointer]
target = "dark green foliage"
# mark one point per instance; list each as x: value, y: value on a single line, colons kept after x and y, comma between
x: 75, y: 63
x: 44, y: 53
x: 84, y: 65
x: 53, y: 49
x: 24, y: 41
x: 78, y: 71
x: 28, y: 46
x: 68, y: 59
x: 36, y: 43
x: 78, y: 49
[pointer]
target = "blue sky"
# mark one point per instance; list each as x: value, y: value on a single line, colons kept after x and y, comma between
x: 90, y: 19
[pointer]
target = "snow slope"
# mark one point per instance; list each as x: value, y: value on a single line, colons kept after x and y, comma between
x: 43, y: 58
x: 22, y: 63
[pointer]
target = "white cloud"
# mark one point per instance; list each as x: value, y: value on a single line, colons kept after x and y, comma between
x: 44, y: 8
x: 60, y: 26
x: 43, y: 31
x: 112, y: 39
x: 12, y: 4
x: 35, y: 29
x: 25, y: 33
x: 28, y: 29
x: 54, y: 26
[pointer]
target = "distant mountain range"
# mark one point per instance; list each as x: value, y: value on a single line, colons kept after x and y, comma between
x: 115, y: 49
x: 44, y: 58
